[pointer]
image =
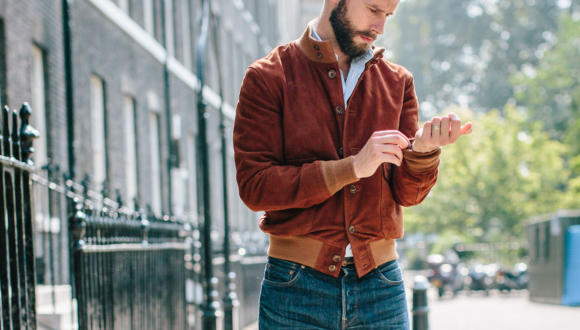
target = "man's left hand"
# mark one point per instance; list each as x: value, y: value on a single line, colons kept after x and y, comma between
x: 438, y: 132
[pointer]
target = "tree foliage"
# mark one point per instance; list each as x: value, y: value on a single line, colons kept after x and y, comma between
x: 464, y: 52
x: 506, y: 171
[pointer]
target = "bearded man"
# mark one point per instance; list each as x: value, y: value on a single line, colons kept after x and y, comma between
x: 327, y: 143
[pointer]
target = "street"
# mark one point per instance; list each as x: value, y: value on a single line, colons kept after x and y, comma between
x: 497, y: 311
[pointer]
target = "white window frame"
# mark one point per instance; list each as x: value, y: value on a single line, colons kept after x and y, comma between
x: 40, y: 156
x: 186, y: 33
x: 155, y: 152
x: 98, y: 136
x: 169, y: 33
x: 192, y: 178
x: 131, y: 169
x: 124, y: 5
x: 149, y: 16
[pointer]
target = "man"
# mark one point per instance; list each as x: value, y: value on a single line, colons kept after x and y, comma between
x: 327, y: 143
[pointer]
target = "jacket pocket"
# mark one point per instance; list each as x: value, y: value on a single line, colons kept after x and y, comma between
x: 386, y: 167
x: 390, y: 211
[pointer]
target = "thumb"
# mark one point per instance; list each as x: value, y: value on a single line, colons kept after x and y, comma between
x: 465, y: 129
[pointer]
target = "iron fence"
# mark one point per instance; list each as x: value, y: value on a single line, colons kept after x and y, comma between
x: 127, y: 268
x: 17, y: 289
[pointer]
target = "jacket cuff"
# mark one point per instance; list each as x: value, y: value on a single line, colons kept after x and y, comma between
x: 338, y: 173
x: 419, y: 162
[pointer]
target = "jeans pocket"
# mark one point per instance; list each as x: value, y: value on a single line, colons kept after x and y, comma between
x: 391, y: 276
x: 281, y: 273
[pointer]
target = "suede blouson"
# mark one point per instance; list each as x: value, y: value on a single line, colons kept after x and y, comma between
x: 294, y: 143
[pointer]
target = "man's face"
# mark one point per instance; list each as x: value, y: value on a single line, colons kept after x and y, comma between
x: 354, y: 39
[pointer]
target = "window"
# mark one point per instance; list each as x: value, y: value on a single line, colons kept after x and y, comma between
x: 169, y: 33
x: 148, y: 15
x: 155, y: 144
x: 186, y: 33
x: 3, y: 94
x: 230, y: 83
x: 124, y: 5
x: 98, y: 135
x: 131, y: 169
x: 38, y: 121
x: 192, y: 177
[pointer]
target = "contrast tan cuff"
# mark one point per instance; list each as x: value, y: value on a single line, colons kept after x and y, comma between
x: 421, y: 161
x: 338, y: 173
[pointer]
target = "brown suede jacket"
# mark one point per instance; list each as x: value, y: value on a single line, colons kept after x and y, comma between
x: 294, y: 144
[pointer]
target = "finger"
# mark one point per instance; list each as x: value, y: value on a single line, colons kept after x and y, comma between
x: 444, y: 140
x: 465, y: 129
x: 435, y: 130
x: 389, y: 132
x: 401, y: 141
x: 427, y: 127
x: 390, y: 158
x: 391, y: 149
x: 455, y: 127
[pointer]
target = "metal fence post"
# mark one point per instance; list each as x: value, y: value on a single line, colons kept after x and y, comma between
x: 420, y: 303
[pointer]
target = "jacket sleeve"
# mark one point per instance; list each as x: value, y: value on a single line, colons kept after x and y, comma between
x: 265, y: 182
x: 412, y: 181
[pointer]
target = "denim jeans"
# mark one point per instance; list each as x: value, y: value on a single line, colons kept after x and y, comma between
x: 298, y: 297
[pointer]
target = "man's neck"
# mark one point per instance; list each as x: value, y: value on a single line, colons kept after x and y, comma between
x: 326, y: 33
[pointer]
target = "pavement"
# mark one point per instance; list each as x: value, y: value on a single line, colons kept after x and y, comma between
x: 497, y: 311
x: 500, y: 312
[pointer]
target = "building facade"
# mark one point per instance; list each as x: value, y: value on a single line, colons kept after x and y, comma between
x: 134, y: 84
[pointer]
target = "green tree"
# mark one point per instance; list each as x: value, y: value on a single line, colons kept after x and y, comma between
x: 550, y: 93
x: 463, y: 52
x: 491, y: 181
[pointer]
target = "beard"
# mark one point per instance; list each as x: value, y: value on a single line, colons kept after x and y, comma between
x: 345, y: 33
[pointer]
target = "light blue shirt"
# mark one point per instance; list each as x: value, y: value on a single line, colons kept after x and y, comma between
x: 357, y: 66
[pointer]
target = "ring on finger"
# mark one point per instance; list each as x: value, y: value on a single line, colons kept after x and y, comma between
x: 435, y: 127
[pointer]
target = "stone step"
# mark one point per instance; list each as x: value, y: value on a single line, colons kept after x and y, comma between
x: 44, y: 294
x: 55, y: 311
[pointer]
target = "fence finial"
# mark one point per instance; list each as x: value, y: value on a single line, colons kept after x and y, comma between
x: 27, y: 134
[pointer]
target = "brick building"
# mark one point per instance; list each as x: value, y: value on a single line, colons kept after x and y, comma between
x: 134, y: 95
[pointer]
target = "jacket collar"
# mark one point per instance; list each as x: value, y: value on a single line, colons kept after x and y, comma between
x: 322, y: 52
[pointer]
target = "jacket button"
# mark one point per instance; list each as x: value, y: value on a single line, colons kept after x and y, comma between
x: 332, y: 268
x: 353, y: 189
x: 331, y: 73
x: 351, y: 229
x: 339, y: 109
x: 340, y: 153
x: 336, y: 258
x: 319, y: 55
x: 316, y: 47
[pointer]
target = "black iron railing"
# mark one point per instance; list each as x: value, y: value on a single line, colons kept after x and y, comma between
x: 17, y: 273
x: 128, y: 268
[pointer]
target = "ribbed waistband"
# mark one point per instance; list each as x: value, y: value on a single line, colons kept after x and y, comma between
x: 306, y: 251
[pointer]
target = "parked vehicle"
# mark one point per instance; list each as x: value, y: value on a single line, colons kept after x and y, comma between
x: 516, y: 279
x: 480, y: 278
x: 445, y: 275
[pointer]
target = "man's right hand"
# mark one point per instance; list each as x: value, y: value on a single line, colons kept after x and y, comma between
x: 381, y: 147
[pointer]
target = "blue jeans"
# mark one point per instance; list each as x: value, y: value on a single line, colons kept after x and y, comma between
x: 298, y: 297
